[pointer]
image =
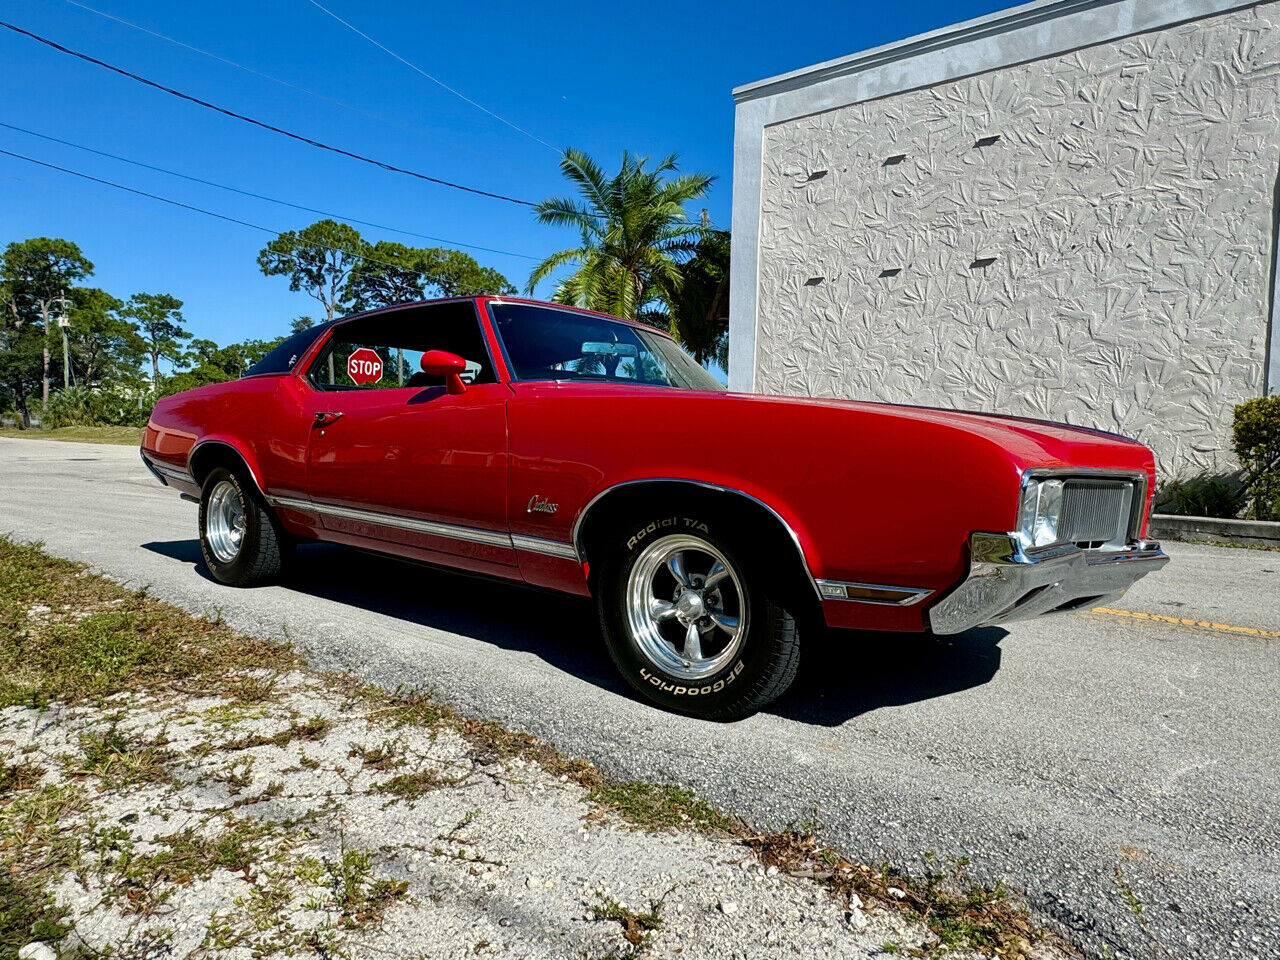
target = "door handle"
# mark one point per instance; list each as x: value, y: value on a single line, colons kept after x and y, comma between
x: 326, y: 417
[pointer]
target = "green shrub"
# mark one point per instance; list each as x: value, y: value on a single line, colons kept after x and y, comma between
x: 1205, y: 495
x: 1256, y: 437
x: 82, y: 407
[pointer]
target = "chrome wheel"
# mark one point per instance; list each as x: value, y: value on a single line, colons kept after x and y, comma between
x: 685, y: 607
x: 224, y: 522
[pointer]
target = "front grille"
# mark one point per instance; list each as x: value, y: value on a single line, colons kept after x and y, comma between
x: 1095, y: 512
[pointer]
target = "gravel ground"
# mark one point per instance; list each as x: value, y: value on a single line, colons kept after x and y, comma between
x: 1101, y: 764
x: 307, y: 820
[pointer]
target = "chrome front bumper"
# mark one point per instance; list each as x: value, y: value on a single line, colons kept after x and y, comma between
x: 1005, y: 583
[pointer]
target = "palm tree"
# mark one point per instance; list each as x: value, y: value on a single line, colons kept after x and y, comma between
x: 635, y: 235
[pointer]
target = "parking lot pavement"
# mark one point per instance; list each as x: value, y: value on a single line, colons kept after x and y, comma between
x: 1122, y: 771
x: 1233, y: 586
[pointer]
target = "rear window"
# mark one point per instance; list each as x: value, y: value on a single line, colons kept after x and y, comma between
x: 282, y: 358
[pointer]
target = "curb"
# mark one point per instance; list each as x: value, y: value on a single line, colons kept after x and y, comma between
x: 1165, y: 526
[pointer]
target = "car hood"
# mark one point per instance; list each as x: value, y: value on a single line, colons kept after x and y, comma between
x: 1036, y: 442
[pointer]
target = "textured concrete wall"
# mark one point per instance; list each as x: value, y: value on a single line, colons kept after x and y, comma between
x: 1107, y: 260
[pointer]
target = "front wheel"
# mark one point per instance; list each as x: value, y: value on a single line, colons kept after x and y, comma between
x: 691, y: 623
x: 242, y: 542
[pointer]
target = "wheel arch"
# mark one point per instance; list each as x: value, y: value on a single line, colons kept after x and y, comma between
x: 615, y: 502
x: 221, y: 452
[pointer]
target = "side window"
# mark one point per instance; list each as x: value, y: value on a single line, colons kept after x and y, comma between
x: 384, y: 351
x: 549, y: 344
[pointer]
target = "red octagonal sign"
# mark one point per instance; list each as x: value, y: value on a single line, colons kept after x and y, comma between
x: 364, y: 366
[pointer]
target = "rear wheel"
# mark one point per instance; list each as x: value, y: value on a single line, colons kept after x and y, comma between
x: 241, y: 541
x: 691, y: 621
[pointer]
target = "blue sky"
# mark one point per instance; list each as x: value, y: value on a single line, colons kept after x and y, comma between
x: 590, y: 75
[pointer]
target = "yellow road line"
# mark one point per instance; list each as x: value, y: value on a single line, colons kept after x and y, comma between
x: 1187, y: 622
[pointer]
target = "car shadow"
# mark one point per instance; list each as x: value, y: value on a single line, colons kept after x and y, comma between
x: 843, y: 673
x: 846, y: 673
x: 561, y: 630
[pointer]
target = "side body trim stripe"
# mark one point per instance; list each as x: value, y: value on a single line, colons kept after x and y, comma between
x: 493, y: 538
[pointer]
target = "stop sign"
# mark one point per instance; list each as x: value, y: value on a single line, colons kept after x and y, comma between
x: 364, y: 366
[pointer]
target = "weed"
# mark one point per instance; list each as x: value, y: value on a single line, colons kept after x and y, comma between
x: 32, y: 838
x: 19, y: 776
x: 410, y: 786
x: 27, y: 913
x: 358, y: 898
x: 959, y: 912
x: 637, y: 926
x: 1130, y: 898
x: 313, y: 729
x: 34, y: 851
x: 146, y: 880
x: 658, y: 806
x: 492, y: 742
x: 119, y: 760
x: 408, y: 708
x: 382, y: 757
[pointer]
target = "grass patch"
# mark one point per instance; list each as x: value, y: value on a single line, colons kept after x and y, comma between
x: 252, y: 688
x: 958, y: 911
x: 659, y: 806
x: 406, y: 708
x: 32, y: 837
x: 411, y: 786
x: 313, y: 729
x: 145, y: 880
x: 35, y: 848
x: 121, y: 435
x: 69, y: 635
x: 1235, y: 545
x: 359, y: 898
x: 73, y: 636
x: 491, y: 742
x: 27, y: 913
x: 120, y: 760
x: 19, y: 776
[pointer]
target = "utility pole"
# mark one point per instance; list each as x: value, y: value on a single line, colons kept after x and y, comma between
x: 44, y: 315
x: 64, y: 321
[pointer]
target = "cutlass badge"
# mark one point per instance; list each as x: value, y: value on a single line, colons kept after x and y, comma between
x: 539, y: 504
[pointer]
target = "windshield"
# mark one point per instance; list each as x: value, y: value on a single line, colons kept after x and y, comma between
x: 282, y: 357
x: 544, y: 343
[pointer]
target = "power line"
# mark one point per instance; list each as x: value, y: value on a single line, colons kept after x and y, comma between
x: 240, y: 66
x: 436, y: 80
x: 259, y: 196
x: 260, y: 123
x: 274, y: 129
x: 188, y: 206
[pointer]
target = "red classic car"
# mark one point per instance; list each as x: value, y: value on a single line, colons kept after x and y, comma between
x: 591, y: 455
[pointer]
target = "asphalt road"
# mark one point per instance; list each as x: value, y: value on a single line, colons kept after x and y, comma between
x: 1125, y: 773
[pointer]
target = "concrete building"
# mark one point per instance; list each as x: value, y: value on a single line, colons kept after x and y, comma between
x: 1067, y: 210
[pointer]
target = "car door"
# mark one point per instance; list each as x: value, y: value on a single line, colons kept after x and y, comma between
x: 392, y: 456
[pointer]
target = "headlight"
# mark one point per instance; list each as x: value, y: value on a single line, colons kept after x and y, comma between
x: 1039, y: 513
